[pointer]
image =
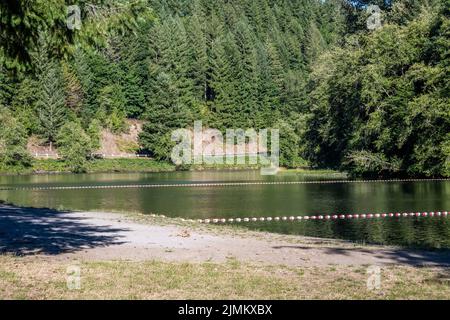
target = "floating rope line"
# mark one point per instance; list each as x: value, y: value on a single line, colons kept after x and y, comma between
x: 324, y: 217
x: 213, y: 184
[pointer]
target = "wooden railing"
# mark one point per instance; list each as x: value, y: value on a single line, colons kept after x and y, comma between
x: 95, y: 155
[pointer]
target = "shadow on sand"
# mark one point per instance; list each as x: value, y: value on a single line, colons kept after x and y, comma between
x: 25, y: 231
x: 412, y: 257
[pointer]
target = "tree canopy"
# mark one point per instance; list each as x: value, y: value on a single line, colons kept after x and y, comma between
x: 368, y: 101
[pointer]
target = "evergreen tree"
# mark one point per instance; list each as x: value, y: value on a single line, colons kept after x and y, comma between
x: 74, y: 146
x: 111, y: 108
x: 50, y: 103
x: 13, y: 141
x: 23, y: 104
x: 163, y: 115
x: 6, y: 87
x: 94, y: 132
x: 380, y: 104
x: 222, y: 84
x: 73, y: 89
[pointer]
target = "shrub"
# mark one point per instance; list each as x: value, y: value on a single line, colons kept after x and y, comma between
x: 74, y: 146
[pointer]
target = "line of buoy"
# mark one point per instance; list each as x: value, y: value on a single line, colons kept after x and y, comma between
x: 213, y: 184
x: 324, y: 217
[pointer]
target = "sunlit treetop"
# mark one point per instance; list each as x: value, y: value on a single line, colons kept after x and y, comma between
x: 23, y: 22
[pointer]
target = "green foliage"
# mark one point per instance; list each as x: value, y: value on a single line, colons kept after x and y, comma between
x: 366, y: 162
x: 13, y: 141
x: 446, y: 151
x: 50, y: 103
x: 127, y: 146
x: 234, y: 64
x: 100, y: 165
x: 111, y: 103
x: 6, y: 88
x: 74, y: 146
x: 371, y: 102
x: 46, y: 93
x: 290, y: 146
x: 164, y: 115
x: 23, y: 21
x: 94, y: 132
x: 380, y: 104
x: 23, y: 104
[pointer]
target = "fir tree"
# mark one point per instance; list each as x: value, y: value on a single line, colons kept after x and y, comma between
x: 50, y: 103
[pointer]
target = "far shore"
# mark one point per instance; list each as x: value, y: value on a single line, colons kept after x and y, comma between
x: 145, y: 165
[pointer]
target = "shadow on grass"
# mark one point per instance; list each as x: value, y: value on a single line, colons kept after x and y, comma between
x: 25, y: 231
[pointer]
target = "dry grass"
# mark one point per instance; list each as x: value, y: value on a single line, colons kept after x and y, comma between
x: 36, y: 278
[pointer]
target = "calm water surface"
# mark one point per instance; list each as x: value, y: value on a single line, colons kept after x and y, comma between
x: 257, y: 200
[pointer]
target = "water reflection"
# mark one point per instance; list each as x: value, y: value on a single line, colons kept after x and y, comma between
x: 258, y: 200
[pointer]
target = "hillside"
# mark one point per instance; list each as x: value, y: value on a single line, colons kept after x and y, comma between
x: 121, y: 145
x: 372, y: 101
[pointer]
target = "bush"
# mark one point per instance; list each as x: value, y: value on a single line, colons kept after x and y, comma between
x: 366, y: 163
x: 74, y: 146
x: 94, y: 131
x: 112, y: 102
x: 13, y: 142
x: 156, y: 139
x: 446, y: 151
x: 289, y: 146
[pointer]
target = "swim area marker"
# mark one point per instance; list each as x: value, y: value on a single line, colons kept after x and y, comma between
x: 255, y: 183
x: 212, y: 184
x: 325, y: 217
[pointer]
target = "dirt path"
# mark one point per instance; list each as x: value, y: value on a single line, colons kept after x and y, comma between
x: 107, y: 236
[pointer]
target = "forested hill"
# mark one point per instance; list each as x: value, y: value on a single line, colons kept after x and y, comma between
x: 372, y: 102
x: 237, y: 63
x: 233, y: 64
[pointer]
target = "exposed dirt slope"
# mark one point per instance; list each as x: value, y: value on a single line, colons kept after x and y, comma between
x: 112, y: 145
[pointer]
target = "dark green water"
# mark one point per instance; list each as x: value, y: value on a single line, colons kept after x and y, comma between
x: 257, y: 200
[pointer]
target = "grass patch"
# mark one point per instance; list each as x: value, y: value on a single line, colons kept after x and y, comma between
x: 129, y: 165
x: 97, y: 165
x: 127, y: 146
x: 151, y: 165
x: 305, y: 172
x: 34, y: 278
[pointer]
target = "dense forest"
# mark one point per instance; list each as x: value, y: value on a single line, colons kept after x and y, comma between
x: 372, y: 102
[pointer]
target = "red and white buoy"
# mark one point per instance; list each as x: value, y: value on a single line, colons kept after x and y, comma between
x: 323, y: 217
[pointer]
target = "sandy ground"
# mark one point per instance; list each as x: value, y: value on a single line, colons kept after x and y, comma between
x: 100, y: 236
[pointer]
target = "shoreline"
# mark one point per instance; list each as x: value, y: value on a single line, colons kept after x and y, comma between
x: 125, y: 165
x: 100, y: 236
x: 54, y: 167
x: 130, y: 256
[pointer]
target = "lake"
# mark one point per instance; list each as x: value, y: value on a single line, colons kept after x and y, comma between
x: 256, y: 201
